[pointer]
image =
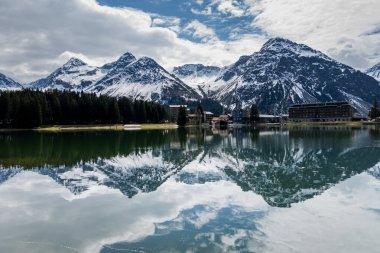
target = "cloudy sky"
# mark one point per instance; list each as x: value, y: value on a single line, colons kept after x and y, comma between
x: 38, y: 36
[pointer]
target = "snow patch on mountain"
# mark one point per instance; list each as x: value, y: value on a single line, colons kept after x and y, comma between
x: 142, y: 79
x: 199, y: 77
x: 374, y: 72
x: 7, y: 83
x: 74, y: 75
x: 128, y: 76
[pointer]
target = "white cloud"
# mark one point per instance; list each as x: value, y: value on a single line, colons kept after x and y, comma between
x: 199, y: 2
x: 335, y: 27
x: 171, y: 23
x: 200, y: 31
x: 38, y: 36
x: 229, y: 7
x: 207, y: 11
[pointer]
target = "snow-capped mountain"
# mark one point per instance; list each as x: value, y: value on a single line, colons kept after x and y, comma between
x: 374, y: 72
x: 134, y: 78
x: 199, y: 77
x: 74, y: 75
x: 7, y: 83
x: 284, y: 73
x: 143, y: 79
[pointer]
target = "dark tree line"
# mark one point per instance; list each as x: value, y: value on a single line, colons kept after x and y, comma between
x: 375, y: 111
x: 27, y: 108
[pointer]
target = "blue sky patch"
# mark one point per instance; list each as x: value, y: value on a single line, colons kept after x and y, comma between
x: 228, y: 22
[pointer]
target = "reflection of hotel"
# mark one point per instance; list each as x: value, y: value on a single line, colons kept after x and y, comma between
x: 321, y: 112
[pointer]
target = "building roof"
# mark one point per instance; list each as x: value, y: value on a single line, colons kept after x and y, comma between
x: 209, y: 113
x: 175, y: 106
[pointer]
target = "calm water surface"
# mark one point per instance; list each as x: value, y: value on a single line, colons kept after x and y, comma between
x: 262, y: 190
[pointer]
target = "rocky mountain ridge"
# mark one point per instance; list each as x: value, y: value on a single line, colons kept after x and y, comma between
x: 282, y: 73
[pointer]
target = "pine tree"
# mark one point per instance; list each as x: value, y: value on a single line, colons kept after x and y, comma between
x: 114, y: 112
x: 182, y: 116
x: 27, y: 108
x: 375, y: 111
x: 200, y: 114
x: 5, y: 107
x: 254, y: 113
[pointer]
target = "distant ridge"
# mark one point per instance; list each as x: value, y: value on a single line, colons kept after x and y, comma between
x: 7, y: 83
x: 374, y: 72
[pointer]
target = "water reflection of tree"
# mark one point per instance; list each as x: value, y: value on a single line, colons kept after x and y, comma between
x: 31, y: 149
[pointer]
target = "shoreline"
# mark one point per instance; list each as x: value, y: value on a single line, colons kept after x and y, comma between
x: 103, y: 127
x: 137, y: 127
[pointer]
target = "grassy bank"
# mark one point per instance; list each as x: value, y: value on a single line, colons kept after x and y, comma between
x: 115, y: 127
x: 122, y: 127
x: 314, y: 124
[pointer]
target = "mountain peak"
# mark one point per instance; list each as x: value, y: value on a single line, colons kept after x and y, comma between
x: 374, y: 68
x: 374, y: 72
x: 148, y: 61
x: 74, y: 62
x: 127, y: 58
x: 8, y: 83
x: 279, y: 42
x: 120, y: 63
x: 284, y: 46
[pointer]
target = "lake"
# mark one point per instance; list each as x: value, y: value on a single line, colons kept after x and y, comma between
x: 191, y: 190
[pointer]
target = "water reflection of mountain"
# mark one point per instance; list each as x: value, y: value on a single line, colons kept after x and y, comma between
x: 32, y: 149
x: 375, y: 171
x: 283, y: 166
x: 293, y: 166
x: 127, y: 161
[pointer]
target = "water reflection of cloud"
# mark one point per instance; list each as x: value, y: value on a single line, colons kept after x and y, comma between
x: 41, y: 210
